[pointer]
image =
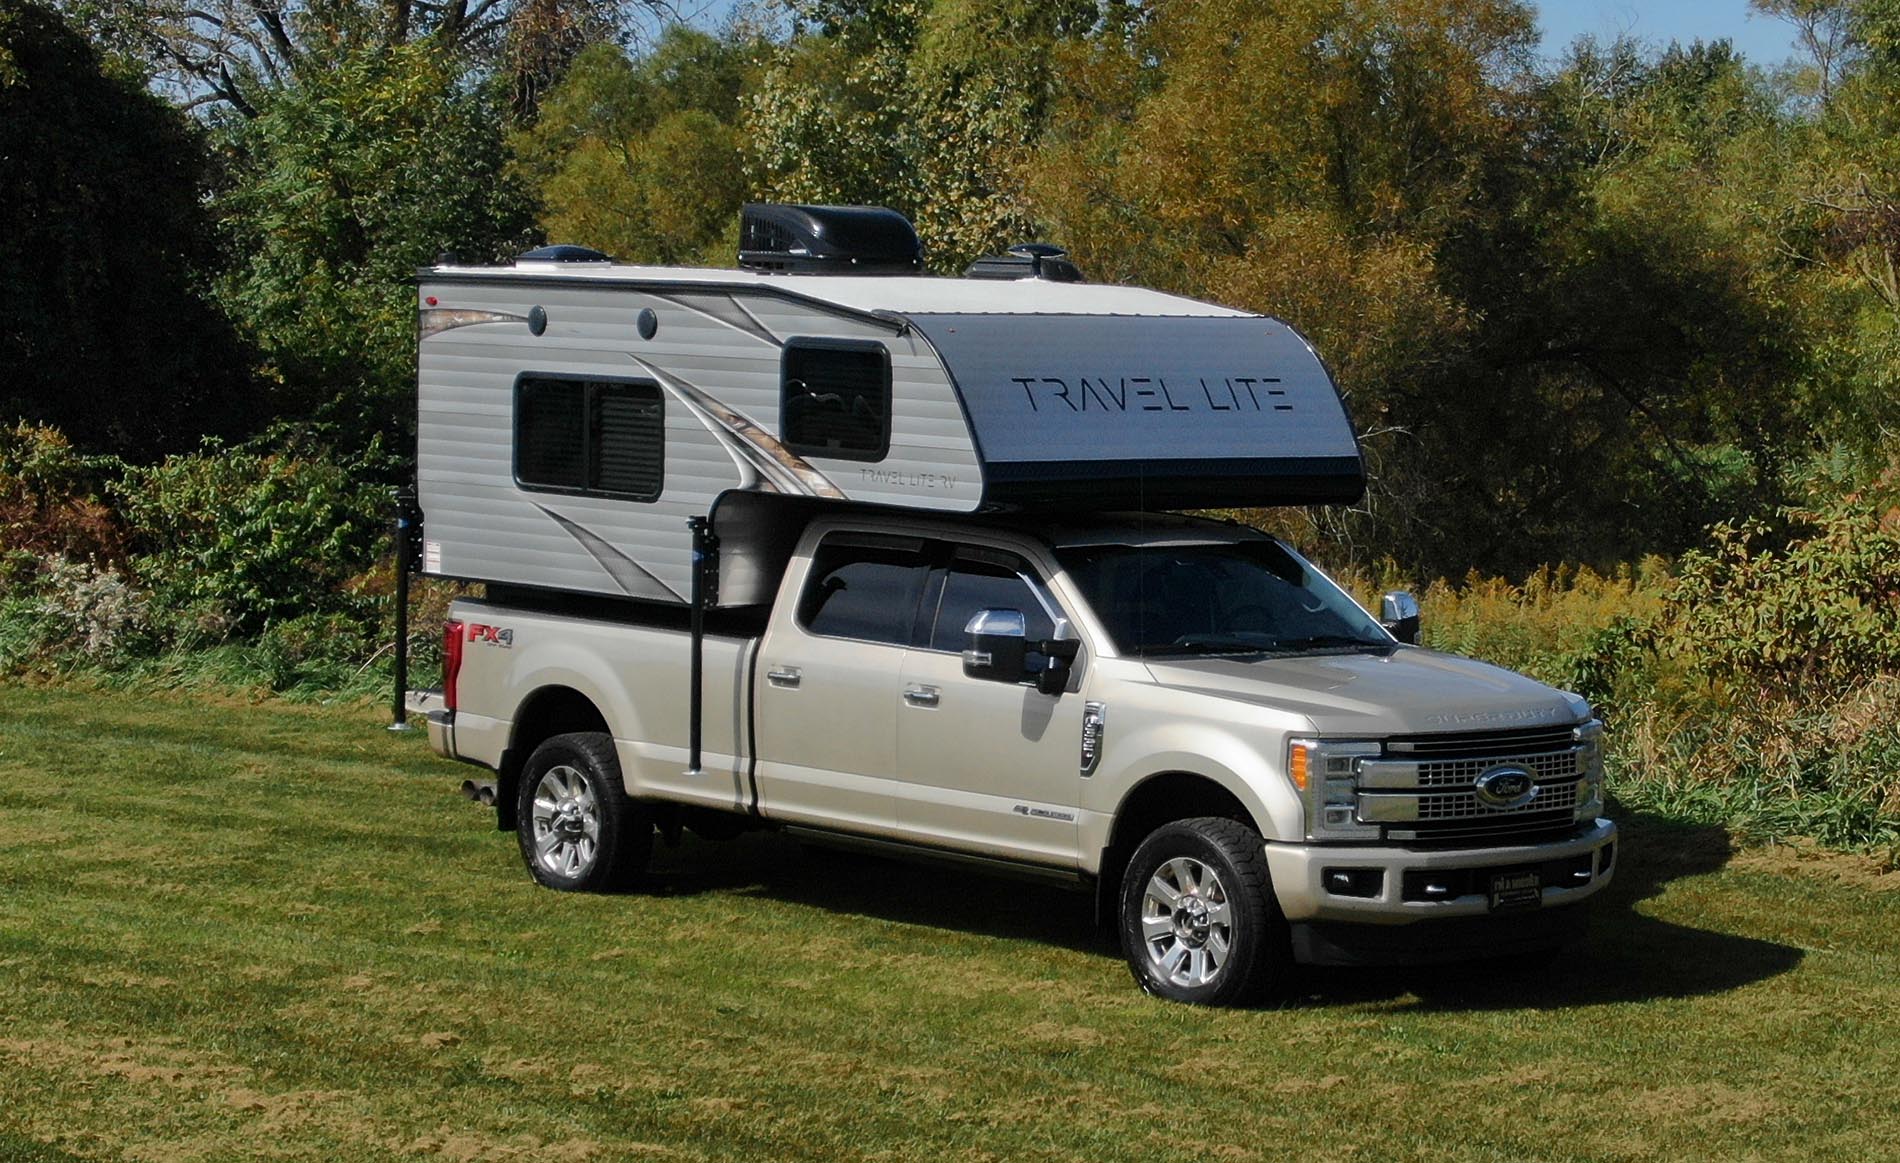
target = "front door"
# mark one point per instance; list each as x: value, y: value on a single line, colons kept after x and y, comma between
x: 985, y: 766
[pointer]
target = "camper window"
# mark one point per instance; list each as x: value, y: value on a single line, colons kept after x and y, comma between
x: 590, y: 436
x: 836, y: 399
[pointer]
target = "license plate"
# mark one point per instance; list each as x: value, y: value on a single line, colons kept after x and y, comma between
x: 1516, y: 890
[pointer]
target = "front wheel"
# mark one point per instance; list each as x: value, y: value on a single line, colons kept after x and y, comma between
x: 578, y: 829
x: 1198, y: 919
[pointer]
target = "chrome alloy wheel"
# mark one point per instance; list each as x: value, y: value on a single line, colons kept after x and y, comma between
x: 1186, y: 925
x: 566, y: 822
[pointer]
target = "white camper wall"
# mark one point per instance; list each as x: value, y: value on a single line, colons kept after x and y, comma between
x: 712, y: 351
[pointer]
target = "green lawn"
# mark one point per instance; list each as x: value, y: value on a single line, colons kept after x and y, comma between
x: 273, y: 931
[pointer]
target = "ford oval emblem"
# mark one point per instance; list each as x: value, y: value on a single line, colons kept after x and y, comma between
x: 1506, y: 786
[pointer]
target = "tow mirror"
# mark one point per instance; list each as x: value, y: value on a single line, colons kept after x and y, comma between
x: 1060, y: 650
x: 999, y: 643
x: 1398, y: 613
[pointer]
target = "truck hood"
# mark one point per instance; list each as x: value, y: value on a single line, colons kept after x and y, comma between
x: 1410, y: 691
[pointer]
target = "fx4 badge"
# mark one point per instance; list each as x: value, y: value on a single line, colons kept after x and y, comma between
x: 493, y: 635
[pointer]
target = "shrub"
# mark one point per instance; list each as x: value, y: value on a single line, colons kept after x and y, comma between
x: 232, y: 539
x: 52, y: 501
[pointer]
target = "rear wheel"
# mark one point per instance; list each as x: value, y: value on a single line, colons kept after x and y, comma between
x: 1198, y: 919
x: 578, y: 829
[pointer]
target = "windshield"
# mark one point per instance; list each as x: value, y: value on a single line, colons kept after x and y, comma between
x: 1240, y: 597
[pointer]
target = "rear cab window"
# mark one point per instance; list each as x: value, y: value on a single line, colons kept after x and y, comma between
x: 865, y: 587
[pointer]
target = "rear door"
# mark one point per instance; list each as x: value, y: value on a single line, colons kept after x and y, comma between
x: 828, y: 684
x: 984, y: 766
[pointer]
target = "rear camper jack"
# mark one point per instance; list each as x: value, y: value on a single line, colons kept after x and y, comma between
x: 408, y: 561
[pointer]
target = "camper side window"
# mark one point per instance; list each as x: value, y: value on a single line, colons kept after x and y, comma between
x: 835, y: 399
x: 590, y: 436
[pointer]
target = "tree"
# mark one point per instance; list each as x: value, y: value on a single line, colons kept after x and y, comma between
x: 234, y: 53
x: 341, y: 186
x: 109, y: 334
x: 640, y: 157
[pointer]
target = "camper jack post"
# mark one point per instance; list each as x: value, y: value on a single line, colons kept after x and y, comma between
x: 705, y: 589
x: 405, y: 543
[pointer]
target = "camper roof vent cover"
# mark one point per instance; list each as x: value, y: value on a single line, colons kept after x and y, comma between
x: 828, y: 240
x: 1027, y: 260
x: 562, y: 253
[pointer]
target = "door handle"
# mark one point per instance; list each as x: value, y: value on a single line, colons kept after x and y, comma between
x: 922, y: 696
x: 785, y: 676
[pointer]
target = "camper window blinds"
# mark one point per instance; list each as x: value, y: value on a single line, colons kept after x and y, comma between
x: 836, y: 399
x: 590, y: 436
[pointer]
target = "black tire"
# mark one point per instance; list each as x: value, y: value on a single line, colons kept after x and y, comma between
x: 1224, y: 941
x: 589, y: 835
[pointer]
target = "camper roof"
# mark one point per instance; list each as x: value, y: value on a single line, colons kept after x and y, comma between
x: 899, y: 294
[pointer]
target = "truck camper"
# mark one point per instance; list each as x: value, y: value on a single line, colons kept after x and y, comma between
x: 821, y: 543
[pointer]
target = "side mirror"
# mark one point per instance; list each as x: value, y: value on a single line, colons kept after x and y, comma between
x: 1398, y: 613
x: 999, y: 643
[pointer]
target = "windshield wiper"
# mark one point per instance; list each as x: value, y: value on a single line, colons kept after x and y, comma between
x: 1323, y: 641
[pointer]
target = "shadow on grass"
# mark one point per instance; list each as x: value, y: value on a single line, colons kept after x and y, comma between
x: 1628, y: 957
x: 858, y: 884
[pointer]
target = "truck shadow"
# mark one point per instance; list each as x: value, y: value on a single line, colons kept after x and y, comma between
x: 1628, y: 957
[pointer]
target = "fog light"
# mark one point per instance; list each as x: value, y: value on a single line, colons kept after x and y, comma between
x: 1357, y: 882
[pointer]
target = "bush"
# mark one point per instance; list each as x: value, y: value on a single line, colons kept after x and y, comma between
x: 232, y: 539
x: 52, y: 501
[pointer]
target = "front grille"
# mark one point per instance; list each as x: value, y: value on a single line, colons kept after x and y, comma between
x: 1423, y: 790
x: 1565, y: 764
x: 1465, y: 805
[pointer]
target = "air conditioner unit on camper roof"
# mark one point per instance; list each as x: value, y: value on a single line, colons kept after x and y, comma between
x: 833, y: 240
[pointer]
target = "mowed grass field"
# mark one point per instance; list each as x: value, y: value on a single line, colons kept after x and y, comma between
x: 233, y: 931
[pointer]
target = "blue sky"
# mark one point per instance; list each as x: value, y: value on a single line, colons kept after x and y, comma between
x: 1762, y: 39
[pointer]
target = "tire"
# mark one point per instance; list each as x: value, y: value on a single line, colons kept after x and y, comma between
x: 577, y: 828
x: 1199, y: 923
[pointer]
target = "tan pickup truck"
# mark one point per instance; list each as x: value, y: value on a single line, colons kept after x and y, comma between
x: 1246, y: 767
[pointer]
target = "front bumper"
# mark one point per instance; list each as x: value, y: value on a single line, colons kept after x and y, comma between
x: 1300, y: 878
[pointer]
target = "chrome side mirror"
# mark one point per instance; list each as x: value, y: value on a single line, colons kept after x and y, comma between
x: 999, y: 645
x: 1398, y: 613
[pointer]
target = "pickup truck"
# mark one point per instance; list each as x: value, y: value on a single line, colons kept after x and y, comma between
x: 1247, y: 768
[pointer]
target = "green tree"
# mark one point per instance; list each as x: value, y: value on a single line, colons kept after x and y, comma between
x: 640, y: 157
x: 108, y: 334
x: 338, y: 189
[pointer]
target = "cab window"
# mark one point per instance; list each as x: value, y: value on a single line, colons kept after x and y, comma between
x: 865, y: 589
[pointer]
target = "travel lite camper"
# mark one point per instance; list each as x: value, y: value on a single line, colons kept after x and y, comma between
x: 824, y: 544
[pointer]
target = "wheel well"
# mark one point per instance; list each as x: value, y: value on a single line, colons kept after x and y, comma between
x: 550, y: 711
x: 1157, y: 800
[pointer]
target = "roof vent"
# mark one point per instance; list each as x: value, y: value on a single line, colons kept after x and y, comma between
x: 828, y: 240
x: 1027, y: 260
x: 562, y: 253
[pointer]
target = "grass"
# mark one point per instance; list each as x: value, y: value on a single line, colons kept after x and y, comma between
x: 262, y: 930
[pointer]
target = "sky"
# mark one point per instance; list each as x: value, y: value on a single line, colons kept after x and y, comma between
x: 1762, y: 39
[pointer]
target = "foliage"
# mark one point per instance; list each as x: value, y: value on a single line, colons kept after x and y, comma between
x: 641, y: 158
x: 52, y: 498
x: 336, y: 192
x: 232, y: 540
x: 107, y: 251
x: 930, y: 108
x: 239, y: 54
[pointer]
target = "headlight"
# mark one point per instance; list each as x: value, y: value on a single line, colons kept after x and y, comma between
x: 1326, y: 774
x: 1590, y: 797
